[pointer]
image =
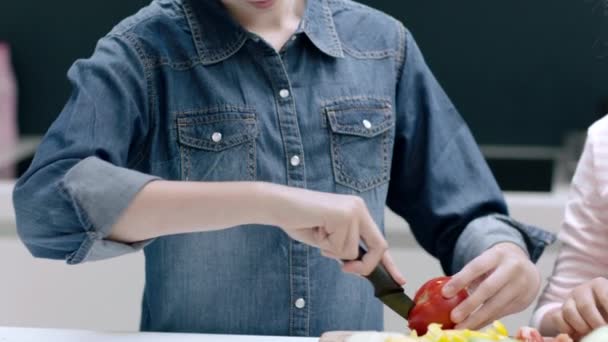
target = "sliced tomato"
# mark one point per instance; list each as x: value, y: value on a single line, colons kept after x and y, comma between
x: 432, y: 307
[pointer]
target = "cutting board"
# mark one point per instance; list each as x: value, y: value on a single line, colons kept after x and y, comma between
x: 58, y: 335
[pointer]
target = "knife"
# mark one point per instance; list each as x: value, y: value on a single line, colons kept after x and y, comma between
x: 387, y: 290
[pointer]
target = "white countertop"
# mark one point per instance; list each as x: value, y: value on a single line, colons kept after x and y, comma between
x: 57, y: 335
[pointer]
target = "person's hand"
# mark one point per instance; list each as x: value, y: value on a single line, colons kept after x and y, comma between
x: 335, y: 224
x: 501, y: 281
x: 585, y: 309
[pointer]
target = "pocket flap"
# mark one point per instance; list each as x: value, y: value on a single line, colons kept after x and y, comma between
x: 216, y: 132
x: 365, y: 119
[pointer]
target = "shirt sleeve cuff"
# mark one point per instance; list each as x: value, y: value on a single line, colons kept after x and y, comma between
x: 100, y: 192
x: 480, y: 235
x: 540, y: 313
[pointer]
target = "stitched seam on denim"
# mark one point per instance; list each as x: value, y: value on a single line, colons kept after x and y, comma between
x: 351, y: 108
x: 91, y: 234
x: 296, y: 129
x: 188, y: 163
x: 361, y: 132
x: 182, y: 161
x: 372, y: 54
x: 78, y: 209
x: 308, y: 297
x: 229, y: 51
x: 134, y: 24
x: 277, y: 105
x: 291, y: 296
x: 337, y: 45
x: 177, y: 65
x: 342, y: 176
x: 385, y: 142
x: 402, y: 51
x: 252, y: 161
x: 185, y: 121
x: 219, y: 109
x: 250, y: 133
x: 348, y: 3
x: 296, y: 125
x: 216, y: 147
x: 194, y: 27
x: 323, y: 113
x: 207, y: 55
x: 82, y: 252
x: 141, y: 154
x: 340, y: 99
x: 356, y: 129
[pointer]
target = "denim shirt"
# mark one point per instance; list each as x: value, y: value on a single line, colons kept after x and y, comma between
x: 179, y: 91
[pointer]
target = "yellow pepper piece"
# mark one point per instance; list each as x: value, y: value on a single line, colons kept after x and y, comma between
x: 500, y: 328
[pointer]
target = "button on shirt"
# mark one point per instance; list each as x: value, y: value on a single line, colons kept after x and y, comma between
x: 181, y: 92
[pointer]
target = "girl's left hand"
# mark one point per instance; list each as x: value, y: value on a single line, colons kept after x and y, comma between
x: 501, y: 281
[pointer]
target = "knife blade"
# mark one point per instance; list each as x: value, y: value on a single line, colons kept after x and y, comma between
x: 387, y: 290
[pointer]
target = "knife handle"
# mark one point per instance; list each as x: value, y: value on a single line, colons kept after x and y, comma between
x: 382, y: 281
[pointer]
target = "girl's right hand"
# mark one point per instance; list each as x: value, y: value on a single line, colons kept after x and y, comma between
x: 334, y: 223
x: 585, y: 310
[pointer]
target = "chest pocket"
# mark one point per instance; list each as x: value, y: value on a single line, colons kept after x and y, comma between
x: 361, y: 132
x: 217, y: 146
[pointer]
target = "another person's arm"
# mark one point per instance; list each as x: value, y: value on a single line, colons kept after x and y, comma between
x: 442, y: 186
x: 575, y: 300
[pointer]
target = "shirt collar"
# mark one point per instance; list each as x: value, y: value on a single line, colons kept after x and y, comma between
x: 217, y: 36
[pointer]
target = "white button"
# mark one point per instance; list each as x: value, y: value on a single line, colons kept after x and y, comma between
x: 255, y: 39
x: 295, y: 161
x: 367, y: 124
x: 284, y: 93
x: 294, y: 37
x: 300, y: 303
x: 216, y: 137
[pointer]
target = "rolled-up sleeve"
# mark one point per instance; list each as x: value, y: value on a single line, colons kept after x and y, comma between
x: 83, y: 176
x: 440, y: 182
x: 484, y: 232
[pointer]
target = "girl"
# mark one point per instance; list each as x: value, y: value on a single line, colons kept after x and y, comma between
x: 575, y: 301
x: 290, y: 122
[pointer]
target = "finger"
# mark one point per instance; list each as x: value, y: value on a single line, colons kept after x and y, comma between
x: 391, y: 267
x: 573, y: 317
x: 375, y: 242
x: 305, y: 235
x: 337, y: 236
x: 350, y: 249
x: 329, y: 254
x: 477, y: 268
x: 324, y: 243
x: 561, y: 324
x: 376, y: 247
x: 587, y: 308
x: 491, y: 310
x: 600, y: 292
x: 490, y: 287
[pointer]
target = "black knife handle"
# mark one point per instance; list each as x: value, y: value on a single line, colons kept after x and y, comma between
x: 383, y: 282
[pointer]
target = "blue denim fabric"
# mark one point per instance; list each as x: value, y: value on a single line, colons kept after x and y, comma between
x: 179, y: 91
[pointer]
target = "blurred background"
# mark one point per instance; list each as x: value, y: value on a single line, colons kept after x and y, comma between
x: 528, y: 77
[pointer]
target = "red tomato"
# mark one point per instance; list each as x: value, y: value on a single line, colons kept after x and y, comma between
x: 432, y: 307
